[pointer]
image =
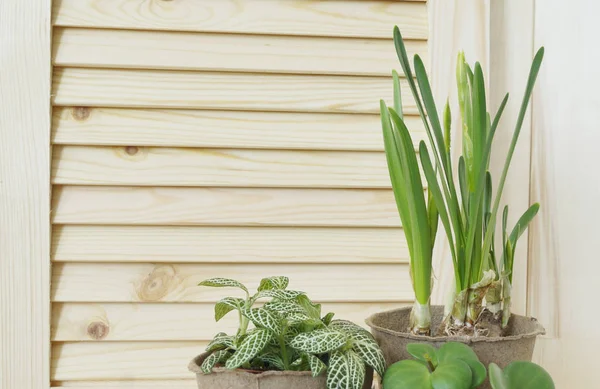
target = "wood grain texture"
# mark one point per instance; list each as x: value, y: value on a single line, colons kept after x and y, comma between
x: 200, y: 128
x: 159, y: 166
x: 123, y: 360
x: 228, y: 91
x: 25, y: 36
x: 352, y: 18
x: 167, y: 322
x: 137, y: 384
x: 564, y: 266
x: 225, y: 52
x: 145, y: 282
x: 224, y: 206
x: 80, y: 243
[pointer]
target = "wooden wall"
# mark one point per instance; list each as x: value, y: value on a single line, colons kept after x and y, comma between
x: 194, y: 139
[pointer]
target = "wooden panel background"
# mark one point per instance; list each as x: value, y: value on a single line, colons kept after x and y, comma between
x: 216, y: 138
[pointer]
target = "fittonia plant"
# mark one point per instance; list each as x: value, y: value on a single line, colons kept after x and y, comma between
x: 461, y: 196
x: 288, y: 333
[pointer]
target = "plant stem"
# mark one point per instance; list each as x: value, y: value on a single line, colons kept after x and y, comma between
x: 284, y: 354
x: 420, y: 319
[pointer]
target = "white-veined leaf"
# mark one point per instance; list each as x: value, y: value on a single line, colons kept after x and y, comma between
x: 319, y: 341
x: 219, y: 356
x: 302, y: 318
x: 328, y: 318
x: 264, y: 318
x: 313, y: 310
x: 284, y: 307
x: 347, y: 326
x: 220, y: 341
x: 278, y: 294
x: 316, y: 365
x: 277, y: 282
x: 346, y: 371
x: 367, y: 348
x: 273, y: 360
x: 226, y: 305
x: 223, y: 283
x: 250, y: 347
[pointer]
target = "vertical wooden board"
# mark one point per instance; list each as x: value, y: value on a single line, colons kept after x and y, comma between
x: 350, y: 18
x: 25, y: 194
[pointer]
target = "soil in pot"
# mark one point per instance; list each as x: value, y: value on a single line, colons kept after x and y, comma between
x: 390, y: 329
x: 222, y: 378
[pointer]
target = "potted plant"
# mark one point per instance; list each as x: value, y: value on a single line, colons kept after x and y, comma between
x: 462, y: 198
x: 456, y: 366
x: 285, y: 343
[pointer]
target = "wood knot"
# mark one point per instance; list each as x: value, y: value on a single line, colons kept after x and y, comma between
x: 131, y: 150
x: 81, y: 113
x: 97, y: 330
x: 157, y: 284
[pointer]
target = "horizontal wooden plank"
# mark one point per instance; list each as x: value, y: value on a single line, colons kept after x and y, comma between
x: 228, y: 91
x: 80, y: 243
x: 172, y: 322
x: 136, y: 384
x: 123, y: 360
x: 225, y: 52
x: 224, y: 206
x: 145, y: 282
x: 352, y: 18
x: 159, y: 166
x: 199, y: 128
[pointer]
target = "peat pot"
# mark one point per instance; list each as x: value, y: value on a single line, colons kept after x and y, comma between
x: 390, y: 329
x: 222, y: 378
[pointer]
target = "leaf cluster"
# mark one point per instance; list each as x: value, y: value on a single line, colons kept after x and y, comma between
x: 289, y: 332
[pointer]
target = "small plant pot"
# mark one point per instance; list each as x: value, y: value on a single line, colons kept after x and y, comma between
x: 390, y: 329
x: 222, y: 378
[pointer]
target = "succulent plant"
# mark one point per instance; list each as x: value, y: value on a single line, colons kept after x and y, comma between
x: 288, y: 332
x: 520, y: 375
x: 453, y: 366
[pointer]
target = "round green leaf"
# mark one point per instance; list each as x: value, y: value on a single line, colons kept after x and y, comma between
x: 407, y: 374
x: 454, y: 350
x: 454, y: 374
x: 527, y: 375
x: 423, y: 352
x: 497, y: 378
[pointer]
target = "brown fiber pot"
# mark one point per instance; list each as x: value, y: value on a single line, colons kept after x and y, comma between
x: 390, y: 330
x: 222, y: 378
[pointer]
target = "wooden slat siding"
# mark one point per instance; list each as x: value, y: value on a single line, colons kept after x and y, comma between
x: 199, y: 128
x: 228, y: 91
x: 225, y: 206
x: 159, y: 166
x: 353, y: 18
x: 225, y: 52
x: 123, y: 360
x: 188, y: 383
x: 145, y: 282
x: 115, y: 322
x: 80, y: 243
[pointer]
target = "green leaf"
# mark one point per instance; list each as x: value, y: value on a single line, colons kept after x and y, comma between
x: 407, y: 374
x: 264, y: 318
x: 327, y: 318
x: 313, y: 310
x: 219, y: 356
x: 367, y: 348
x: 454, y: 374
x: 454, y: 350
x: 278, y: 294
x: 527, y: 375
x: 273, y: 360
x: 284, y: 307
x: 220, y: 341
x: 316, y: 365
x: 277, y: 282
x: 223, y: 283
x: 302, y: 318
x: 523, y: 223
x: 226, y: 305
x: 322, y: 340
x: 346, y: 371
x: 250, y: 347
x: 347, y: 326
x: 423, y: 352
x: 497, y: 378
